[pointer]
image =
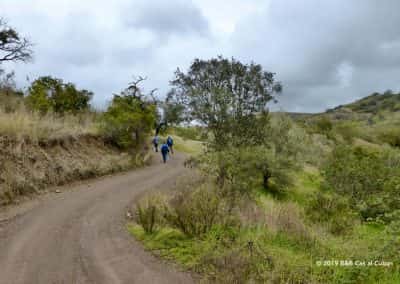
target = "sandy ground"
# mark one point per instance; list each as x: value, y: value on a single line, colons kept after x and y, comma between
x: 80, y: 236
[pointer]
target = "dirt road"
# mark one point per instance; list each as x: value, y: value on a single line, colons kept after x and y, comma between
x: 79, y: 236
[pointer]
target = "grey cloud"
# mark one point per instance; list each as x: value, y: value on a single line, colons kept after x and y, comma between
x: 167, y: 17
x: 324, y: 52
x: 305, y: 42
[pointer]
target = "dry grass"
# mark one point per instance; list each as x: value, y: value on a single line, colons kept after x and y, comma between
x: 27, y: 168
x: 285, y: 217
x: 23, y: 124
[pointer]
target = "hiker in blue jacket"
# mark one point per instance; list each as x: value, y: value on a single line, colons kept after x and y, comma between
x: 155, y: 143
x: 170, y: 144
x: 164, y: 152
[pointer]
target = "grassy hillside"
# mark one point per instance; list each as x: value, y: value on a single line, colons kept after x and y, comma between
x: 373, y: 119
x: 336, y: 221
x: 373, y: 104
x: 42, y: 149
x: 372, y: 107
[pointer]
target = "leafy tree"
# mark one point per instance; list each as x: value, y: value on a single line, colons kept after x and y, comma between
x: 228, y: 97
x: 41, y: 92
x: 51, y: 94
x: 13, y: 47
x: 71, y: 99
x: 268, y: 165
x: 173, y: 111
x: 129, y: 117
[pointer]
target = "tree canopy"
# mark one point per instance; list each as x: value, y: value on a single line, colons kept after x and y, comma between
x: 227, y: 96
x: 52, y: 94
x: 13, y: 47
x: 130, y: 116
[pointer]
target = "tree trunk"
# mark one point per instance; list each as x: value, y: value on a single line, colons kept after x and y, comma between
x: 266, y: 177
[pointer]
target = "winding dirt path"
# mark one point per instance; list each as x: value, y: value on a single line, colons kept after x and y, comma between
x: 79, y: 235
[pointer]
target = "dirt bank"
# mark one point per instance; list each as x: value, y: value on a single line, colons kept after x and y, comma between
x: 30, y: 167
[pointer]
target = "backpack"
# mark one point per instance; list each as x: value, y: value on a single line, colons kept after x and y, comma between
x: 164, y: 148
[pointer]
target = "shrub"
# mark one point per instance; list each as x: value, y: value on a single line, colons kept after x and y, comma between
x: 368, y: 179
x: 323, y: 125
x: 269, y: 165
x: 390, y: 136
x: 356, y: 172
x: 332, y: 210
x: 149, y: 212
x: 245, y: 263
x: 194, y: 213
x: 391, y: 244
x: 289, y: 220
x: 347, y: 131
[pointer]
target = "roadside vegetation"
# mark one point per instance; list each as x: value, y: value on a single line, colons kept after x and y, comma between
x: 276, y: 199
x: 50, y: 134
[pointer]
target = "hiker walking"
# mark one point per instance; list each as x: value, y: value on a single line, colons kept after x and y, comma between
x: 155, y: 143
x: 164, y: 152
x: 170, y: 143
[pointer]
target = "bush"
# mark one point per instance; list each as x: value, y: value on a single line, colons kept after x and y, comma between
x: 149, y: 212
x: 323, y: 125
x: 244, y: 263
x: 356, y: 172
x: 391, y: 244
x: 332, y: 210
x: 368, y: 179
x: 390, y: 136
x: 194, y: 213
x: 11, y: 102
x: 347, y: 131
x: 269, y: 165
x: 289, y: 221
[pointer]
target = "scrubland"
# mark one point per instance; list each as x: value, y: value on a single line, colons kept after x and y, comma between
x: 335, y: 219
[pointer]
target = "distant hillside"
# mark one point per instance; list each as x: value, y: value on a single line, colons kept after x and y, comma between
x: 372, y: 104
x: 386, y: 104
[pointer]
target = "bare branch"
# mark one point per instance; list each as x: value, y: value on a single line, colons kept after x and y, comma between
x: 12, y: 46
x: 134, y: 86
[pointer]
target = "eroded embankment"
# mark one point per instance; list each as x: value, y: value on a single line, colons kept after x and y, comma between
x: 30, y: 167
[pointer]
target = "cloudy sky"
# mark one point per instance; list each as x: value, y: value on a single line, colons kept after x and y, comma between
x: 324, y: 52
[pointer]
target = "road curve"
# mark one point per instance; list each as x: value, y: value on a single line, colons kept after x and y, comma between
x: 79, y: 235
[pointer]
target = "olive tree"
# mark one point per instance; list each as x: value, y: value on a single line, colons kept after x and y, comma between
x: 227, y: 96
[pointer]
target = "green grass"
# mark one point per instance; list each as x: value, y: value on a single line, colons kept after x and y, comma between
x: 291, y: 257
x: 307, y: 182
x: 187, y: 146
x: 170, y: 244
